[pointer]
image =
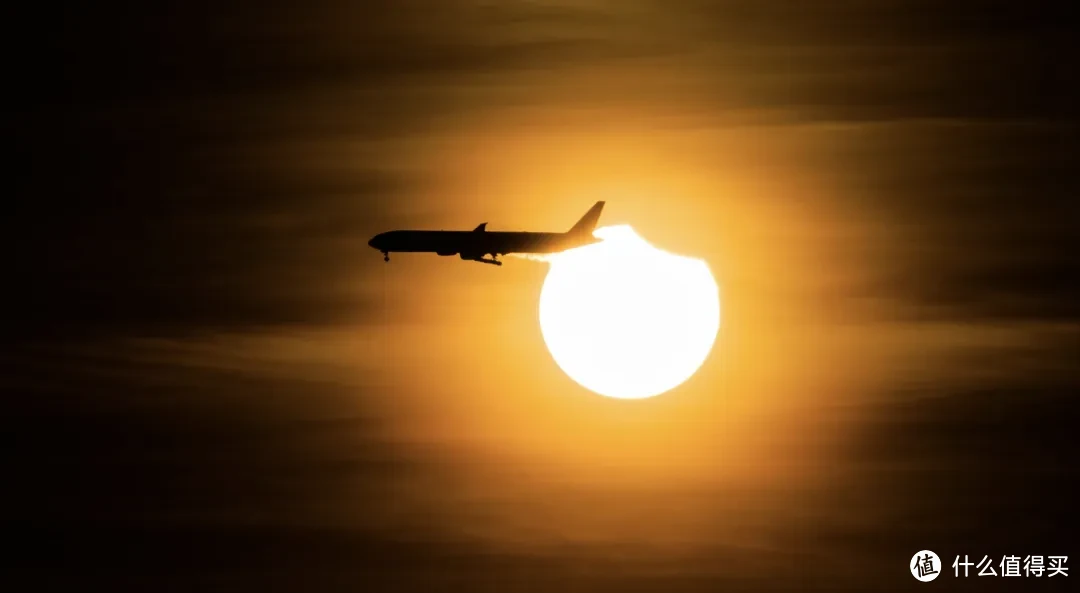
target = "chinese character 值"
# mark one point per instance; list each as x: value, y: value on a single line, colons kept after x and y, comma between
x: 1010, y: 566
x: 925, y: 565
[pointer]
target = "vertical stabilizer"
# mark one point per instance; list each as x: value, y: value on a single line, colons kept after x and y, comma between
x: 588, y: 222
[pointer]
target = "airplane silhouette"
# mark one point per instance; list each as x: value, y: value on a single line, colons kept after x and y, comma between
x: 475, y: 244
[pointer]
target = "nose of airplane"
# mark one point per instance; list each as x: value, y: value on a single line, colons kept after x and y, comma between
x: 374, y: 242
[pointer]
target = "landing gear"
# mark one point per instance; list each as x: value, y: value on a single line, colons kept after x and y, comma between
x: 386, y: 256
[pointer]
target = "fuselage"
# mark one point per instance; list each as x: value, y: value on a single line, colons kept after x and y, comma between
x: 476, y: 243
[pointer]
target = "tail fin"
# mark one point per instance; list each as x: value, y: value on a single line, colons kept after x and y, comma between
x: 587, y: 223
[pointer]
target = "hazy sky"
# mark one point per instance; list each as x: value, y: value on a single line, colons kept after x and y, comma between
x: 212, y: 382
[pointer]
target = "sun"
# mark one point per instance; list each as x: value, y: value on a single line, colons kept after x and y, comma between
x: 625, y: 319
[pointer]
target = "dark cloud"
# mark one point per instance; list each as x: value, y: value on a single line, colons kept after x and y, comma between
x: 984, y: 218
x: 100, y: 438
x: 975, y: 472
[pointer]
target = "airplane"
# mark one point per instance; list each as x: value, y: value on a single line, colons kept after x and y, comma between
x: 474, y: 245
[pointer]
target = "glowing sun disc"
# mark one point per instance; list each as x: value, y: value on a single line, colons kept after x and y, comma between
x: 625, y: 319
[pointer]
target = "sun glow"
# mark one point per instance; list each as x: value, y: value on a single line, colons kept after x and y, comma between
x: 625, y: 319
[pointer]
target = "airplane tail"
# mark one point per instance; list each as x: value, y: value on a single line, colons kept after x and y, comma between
x: 587, y: 223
